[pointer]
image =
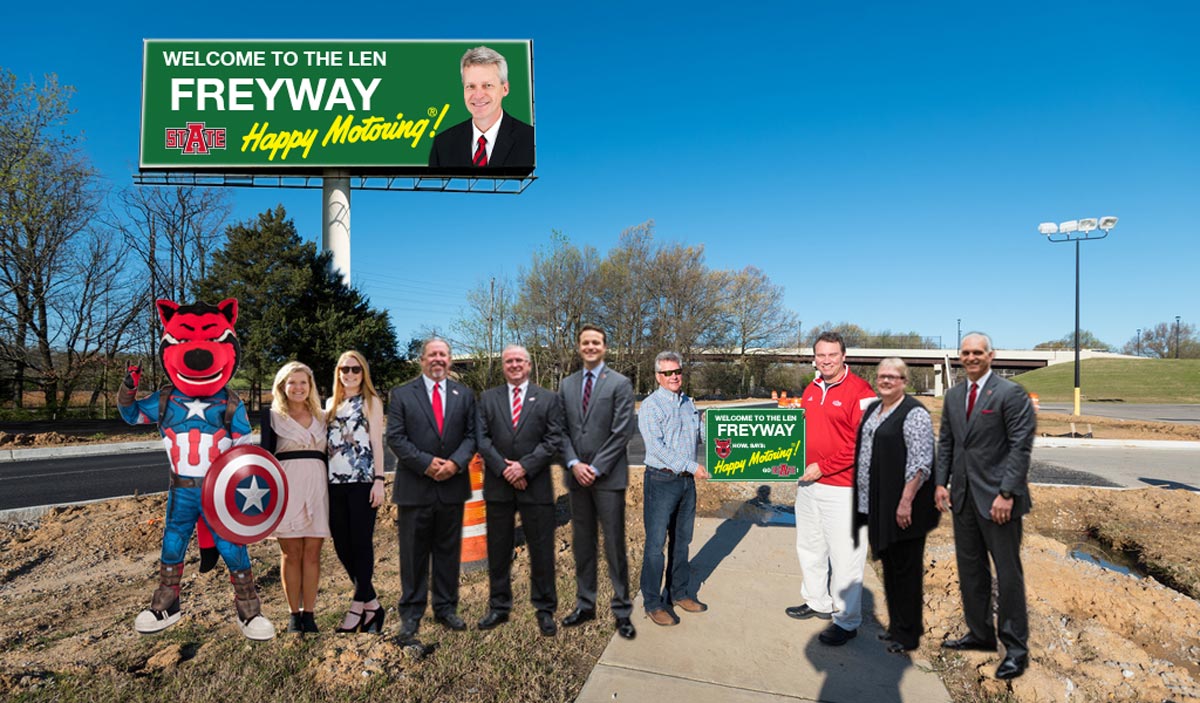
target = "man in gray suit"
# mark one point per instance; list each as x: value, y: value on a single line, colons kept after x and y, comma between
x: 982, y: 475
x: 520, y: 428
x: 431, y: 430
x: 598, y: 403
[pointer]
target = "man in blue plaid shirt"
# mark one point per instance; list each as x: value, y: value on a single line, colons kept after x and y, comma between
x: 670, y: 426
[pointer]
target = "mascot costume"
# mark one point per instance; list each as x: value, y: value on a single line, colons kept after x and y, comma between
x: 200, y: 419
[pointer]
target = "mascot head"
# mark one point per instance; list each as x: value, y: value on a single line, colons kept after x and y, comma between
x: 199, y: 347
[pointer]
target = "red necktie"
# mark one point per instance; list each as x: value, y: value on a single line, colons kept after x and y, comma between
x: 437, y: 406
x: 481, y: 152
x: 971, y: 399
x: 587, y: 391
x: 516, y: 409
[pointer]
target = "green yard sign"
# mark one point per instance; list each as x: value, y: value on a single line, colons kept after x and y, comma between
x: 755, y: 444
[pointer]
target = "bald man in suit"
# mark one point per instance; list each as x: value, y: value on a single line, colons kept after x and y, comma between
x: 982, y: 474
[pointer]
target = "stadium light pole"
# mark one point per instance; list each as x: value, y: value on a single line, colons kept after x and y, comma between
x: 1078, y: 231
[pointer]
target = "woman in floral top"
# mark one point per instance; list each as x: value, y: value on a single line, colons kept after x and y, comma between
x: 355, y: 443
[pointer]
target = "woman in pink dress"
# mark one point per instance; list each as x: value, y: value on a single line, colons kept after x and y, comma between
x: 294, y: 431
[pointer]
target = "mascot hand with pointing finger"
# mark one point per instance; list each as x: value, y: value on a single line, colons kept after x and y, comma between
x: 201, y: 421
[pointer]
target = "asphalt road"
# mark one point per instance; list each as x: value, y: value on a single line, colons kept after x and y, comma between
x: 1181, y: 413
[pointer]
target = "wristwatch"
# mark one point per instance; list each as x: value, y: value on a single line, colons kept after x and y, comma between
x: 1006, y: 495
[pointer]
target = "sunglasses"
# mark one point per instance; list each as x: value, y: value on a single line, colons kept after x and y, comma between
x: 672, y: 372
x: 350, y: 369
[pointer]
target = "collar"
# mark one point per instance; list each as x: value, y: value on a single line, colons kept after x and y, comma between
x: 821, y: 380
x: 490, y: 134
x: 429, y: 383
x: 595, y: 372
x: 982, y: 381
x: 524, y: 388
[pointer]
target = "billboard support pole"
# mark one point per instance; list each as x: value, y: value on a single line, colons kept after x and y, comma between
x: 335, y: 219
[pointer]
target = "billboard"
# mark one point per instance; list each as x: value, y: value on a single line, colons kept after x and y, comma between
x: 305, y: 106
x: 754, y: 444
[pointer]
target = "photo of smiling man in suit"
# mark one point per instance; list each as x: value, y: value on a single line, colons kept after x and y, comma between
x: 492, y: 138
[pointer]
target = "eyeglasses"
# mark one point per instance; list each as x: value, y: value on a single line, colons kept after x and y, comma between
x: 351, y: 369
x: 889, y: 377
x: 672, y: 372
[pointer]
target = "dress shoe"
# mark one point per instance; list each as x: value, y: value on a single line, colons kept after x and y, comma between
x: 898, y: 648
x: 451, y: 621
x: 492, y: 619
x: 1012, y: 667
x: 546, y: 624
x: 660, y: 617
x: 578, y: 617
x: 691, y: 605
x: 969, y: 642
x: 409, y: 628
x: 625, y: 628
x: 884, y: 636
x: 373, y: 620
x: 835, y: 636
x: 803, y: 612
x: 308, y: 623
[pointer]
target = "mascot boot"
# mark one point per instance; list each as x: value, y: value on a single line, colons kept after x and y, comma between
x: 164, y: 606
x: 249, y: 608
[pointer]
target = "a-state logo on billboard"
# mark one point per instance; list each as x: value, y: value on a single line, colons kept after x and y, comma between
x: 196, y: 139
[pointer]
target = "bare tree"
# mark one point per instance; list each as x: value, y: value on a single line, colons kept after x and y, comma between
x: 623, y: 285
x: 688, y: 301
x: 557, y: 296
x: 1160, y: 342
x: 486, y: 326
x: 757, y: 316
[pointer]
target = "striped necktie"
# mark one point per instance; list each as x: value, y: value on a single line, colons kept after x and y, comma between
x: 481, y: 152
x: 516, y: 406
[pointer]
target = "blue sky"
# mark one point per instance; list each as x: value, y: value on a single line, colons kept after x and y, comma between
x: 888, y: 163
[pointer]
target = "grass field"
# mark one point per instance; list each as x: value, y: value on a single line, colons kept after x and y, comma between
x: 1126, y: 380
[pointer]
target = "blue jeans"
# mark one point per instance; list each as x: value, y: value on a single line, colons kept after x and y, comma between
x: 183, y: 509
x: 668, y: 508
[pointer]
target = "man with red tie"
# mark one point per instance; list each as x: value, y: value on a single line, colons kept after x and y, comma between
x: 492, y: 138
x: 982, y: 474
x: 521, y: 427
x: 431, y: 430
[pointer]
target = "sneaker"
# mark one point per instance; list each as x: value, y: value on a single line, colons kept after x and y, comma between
x: 803, y: 612
x: 257, y: 628
x: 150, y: 621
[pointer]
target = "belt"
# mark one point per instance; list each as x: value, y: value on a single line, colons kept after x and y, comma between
x: 302, y: 454
x: 178, y: 481
x: 679, y: 474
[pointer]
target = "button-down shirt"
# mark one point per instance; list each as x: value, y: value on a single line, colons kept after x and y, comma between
x: 670, y: 425
x: 429, y: 384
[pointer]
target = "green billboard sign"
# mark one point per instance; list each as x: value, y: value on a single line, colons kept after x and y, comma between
x: 370, y: 106
x: 755, y: 444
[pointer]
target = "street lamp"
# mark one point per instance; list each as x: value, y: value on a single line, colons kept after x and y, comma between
x: 1177, y: 336
x: 1078, y: 231
x: 1139, y: 341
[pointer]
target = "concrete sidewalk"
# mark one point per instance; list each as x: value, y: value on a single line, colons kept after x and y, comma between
x: 745, y: 648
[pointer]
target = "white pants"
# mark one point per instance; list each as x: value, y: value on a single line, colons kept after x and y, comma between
x: 831, y: 564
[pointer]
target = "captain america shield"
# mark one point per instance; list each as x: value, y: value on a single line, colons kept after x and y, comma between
x: 244, y: 494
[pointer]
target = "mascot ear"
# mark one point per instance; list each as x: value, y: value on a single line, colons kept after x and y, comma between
x: 228, y: 308
x: 166, y: 310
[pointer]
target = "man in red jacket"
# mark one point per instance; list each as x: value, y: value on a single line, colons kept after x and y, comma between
x: 831, y: 563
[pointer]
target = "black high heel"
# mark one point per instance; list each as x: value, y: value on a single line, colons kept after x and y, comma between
x: 353, y: 628
x: 373, y: 624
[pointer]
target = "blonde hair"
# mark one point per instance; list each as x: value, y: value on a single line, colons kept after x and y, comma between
x: 279, y: 401
x: 895, y: 363
x: 369, y: 394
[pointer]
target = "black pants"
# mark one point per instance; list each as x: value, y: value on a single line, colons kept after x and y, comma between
x: 592, y: 509
x: 903, y: 587
x: 429, y: 535
x: 352, y: 525
x: 537, y: 522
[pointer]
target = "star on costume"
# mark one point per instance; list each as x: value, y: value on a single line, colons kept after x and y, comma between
x: 200, y: 418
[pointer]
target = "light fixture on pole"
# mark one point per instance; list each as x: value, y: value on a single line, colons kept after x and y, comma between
x: 1078, y: 231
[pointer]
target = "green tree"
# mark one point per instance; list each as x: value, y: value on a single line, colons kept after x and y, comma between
x: 1087, y: 340
x: 290, y: 306
x: 1159, y: 341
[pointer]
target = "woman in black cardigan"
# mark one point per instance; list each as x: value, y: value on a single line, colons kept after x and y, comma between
x: 894, y: 498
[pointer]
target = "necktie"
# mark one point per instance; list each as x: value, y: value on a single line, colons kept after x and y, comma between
x: 587, y: 390
x: 481, y: 152
x: 516, y: 410
x: 437, y: 406
x: 971, y: 399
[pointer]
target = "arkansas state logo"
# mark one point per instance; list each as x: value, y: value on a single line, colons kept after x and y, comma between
x: 722, y: 447
x: 196, y: 139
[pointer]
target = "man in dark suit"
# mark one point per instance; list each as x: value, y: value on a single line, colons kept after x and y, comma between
x: 598, y: 403
x: 431, y: 430
x: 982, y: 475
x: 492, y: 138
x: 520, y: 430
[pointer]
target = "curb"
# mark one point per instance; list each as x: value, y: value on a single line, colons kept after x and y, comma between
x: 1079, y: 443
x: 99, y: 449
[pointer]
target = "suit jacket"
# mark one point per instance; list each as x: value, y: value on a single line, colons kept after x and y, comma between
x: 598, y: 438
x: 413, y: 437
x: 533, y: 442
x: 991, y: 450
x: 452, y: 148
